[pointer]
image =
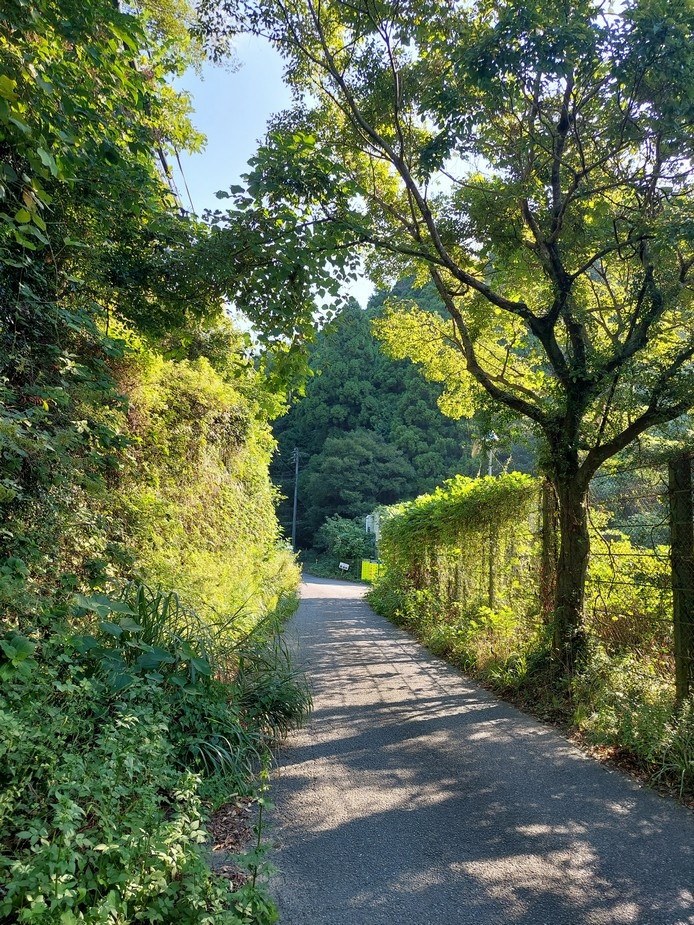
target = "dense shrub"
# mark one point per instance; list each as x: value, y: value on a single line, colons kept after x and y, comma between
x: 110, y: 739
x: 343, y: 540
x: 196, y: 491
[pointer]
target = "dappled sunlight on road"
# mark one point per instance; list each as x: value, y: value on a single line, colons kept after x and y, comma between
x: 415, y: 797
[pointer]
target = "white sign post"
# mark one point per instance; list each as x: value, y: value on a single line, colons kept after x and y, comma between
x: 344, y: 566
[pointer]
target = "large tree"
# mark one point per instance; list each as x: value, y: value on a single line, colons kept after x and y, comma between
x: 535, y: 160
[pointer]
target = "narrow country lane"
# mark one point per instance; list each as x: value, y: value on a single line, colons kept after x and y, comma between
x: 413, y: 797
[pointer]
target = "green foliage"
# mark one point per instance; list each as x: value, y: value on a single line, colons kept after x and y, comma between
x: 441, y: 542
x: 345, y: 540
x: 629, y: 593
x: 367, y: 429
x: 110, y: 740
x: 134, y: 442
x: 455, y: 538
x: 198, y: 502
x: 625, y: 702
x: 88, y: 232
x: 461, y: 570
x: 353, y: 474
x: 271, y: 694
x: 187, y: 503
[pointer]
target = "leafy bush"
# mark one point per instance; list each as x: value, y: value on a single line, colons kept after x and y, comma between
x: 345, y: 540
x: 272, y: 696
x: 387, y: 597
x: 110, y: 740
x: 677, y: 753
x: 470, y: 542
x: 195, y: 499
x: 97, y: 823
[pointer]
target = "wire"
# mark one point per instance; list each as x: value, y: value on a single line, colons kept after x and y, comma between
x: 185, y: 182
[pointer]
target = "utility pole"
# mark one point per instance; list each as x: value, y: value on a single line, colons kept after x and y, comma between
x: 491, y: 440
x: 296, y: 495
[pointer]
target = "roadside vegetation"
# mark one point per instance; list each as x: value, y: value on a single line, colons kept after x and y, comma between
x: 464, y: 571
x: 339, y: 541
x: 125, y: 721
x: 143, y: 576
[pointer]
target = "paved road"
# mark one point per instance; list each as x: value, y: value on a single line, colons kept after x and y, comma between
x: 415, y: 797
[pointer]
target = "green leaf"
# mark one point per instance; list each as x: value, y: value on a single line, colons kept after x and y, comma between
x: 48, y: 161
x: 22, y: 126
x: 44, y: 84
x: 202, y: 666
x: 23, y: 647
x: 129, y: 625
x: 103, y: 605
x: 113, y: 629
x: 7, y: 88
x: 118, y: 607
x: 154, y: 659
x: 85, y: 644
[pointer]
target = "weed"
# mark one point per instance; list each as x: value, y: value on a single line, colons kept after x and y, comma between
x: 112, y: 741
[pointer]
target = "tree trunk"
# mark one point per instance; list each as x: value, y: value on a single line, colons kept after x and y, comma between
x: 682, y: 560
x: 572, y: 567
x: 549, y: 553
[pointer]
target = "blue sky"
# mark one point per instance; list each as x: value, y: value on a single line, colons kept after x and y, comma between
x: 232, y: 110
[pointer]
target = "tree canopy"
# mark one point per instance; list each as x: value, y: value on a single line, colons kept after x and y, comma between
x: 534, y: 160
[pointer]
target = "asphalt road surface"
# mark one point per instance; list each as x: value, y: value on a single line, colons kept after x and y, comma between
x: 413, y: 797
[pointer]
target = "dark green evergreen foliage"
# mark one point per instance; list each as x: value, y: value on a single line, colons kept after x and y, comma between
x: 368, y: 430
x: 354, y: 473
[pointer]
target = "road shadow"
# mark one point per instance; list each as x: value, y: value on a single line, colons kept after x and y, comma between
x: 414, y: 796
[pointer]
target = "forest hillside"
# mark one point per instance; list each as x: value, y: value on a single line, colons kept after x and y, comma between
x: 368, y: 430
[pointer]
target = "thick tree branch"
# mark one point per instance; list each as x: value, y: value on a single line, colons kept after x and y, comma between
x: 640, y: 323
x: 652, y: 416
x: 487, y: 381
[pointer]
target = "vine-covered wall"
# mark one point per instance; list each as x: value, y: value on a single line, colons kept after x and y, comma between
x: 471, y: 543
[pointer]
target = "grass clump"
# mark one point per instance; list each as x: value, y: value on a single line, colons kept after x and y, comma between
x: 627, y: 704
